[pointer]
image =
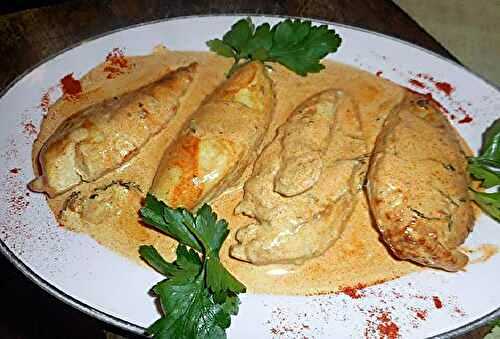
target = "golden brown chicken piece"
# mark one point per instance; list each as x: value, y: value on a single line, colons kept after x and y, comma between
x: 110, y: 209
x: 305, y: 184
x: 417, y: 186
x: 222, y: 138
x: 102, y: 137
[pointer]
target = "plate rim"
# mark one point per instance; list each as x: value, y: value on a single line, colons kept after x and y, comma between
x: 137, y: 329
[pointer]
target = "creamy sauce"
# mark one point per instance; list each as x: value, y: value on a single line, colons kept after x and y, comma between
x: 358, y: 257
x: 481, y: 253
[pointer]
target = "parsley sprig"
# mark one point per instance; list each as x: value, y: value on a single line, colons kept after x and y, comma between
x: 296, y: 44
x: 199, y: 294
x: 486, y: 168
x: 495, y: 330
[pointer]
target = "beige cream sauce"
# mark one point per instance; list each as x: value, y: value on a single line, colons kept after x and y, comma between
x: 481, y: 253
x: 357, y: 258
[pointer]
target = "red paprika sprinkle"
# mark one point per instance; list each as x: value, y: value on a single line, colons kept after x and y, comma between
x: 117, y: 57
x: 444, y: 87
x: 422, y: 314
x: 70, y: 86
x: 387, y: 328
x: 29, y: 129
x: 465, y: 119
x: 437, y: 302
x: 459, y: 311
x: 354, y: 292
x: 425, y: 76
x: 115, y: 63
x: 417, y: 83
x: 429, y: 97
x: 45, y: 102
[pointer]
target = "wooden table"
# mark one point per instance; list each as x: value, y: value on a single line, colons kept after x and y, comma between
x: 30, y: 36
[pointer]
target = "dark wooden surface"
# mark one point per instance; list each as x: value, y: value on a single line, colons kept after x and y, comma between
x: 29, y: 36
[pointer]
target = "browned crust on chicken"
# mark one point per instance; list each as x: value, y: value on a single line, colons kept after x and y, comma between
x: 104, y: 136
x: 418, y: 186
x: 220, y: 140
x: 305, y: 184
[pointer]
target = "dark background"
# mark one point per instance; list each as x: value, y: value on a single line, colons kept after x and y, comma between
x: 8, y: 6
x: 28, y: 311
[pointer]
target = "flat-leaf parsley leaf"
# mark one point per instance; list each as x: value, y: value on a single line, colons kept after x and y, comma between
x: 199, y: 294
x: 296, y: 44
x: 486, y: 168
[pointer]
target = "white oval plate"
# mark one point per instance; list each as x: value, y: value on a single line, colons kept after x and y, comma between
x: 74, y: 268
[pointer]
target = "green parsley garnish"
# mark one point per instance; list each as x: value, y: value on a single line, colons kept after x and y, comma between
x: 486, y: 168
x: 296, y: 44
x: 495, y: 330
x: 199, y: 295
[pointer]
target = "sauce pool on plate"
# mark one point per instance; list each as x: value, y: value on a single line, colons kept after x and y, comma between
x: 357, y: 258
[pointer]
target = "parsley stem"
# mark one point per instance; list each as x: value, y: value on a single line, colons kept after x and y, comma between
x: 237, y: 65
